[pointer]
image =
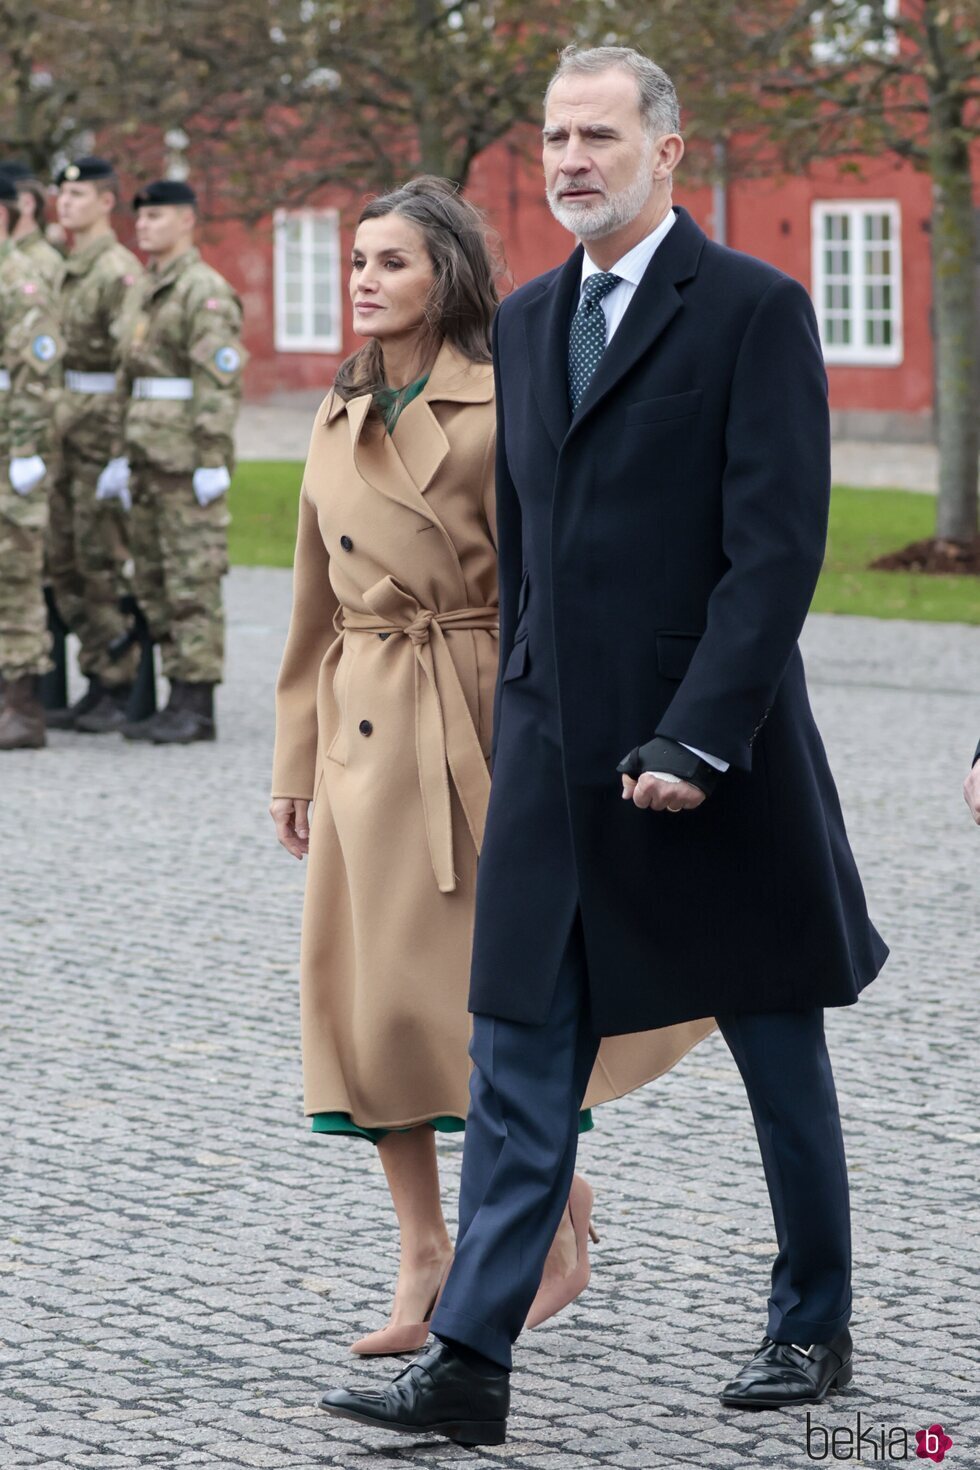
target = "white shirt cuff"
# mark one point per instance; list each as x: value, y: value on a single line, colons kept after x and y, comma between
x: 712, y: 760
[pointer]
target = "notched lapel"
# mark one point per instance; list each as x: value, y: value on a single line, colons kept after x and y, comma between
x: 378, y: 462
x: 546, y: 322
x: 656, y: 301
x: 420, y: 443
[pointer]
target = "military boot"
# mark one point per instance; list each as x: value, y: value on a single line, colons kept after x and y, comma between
x: 65, y: 717
x: 146, y: 729
x: 22, y: 716
x: 109, y: 714
x: 192, y: 719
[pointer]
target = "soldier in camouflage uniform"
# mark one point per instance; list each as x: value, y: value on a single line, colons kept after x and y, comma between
x: 46, y: 262
x: 30, y: 364
x: 183, y: 363
x: 88, y: 535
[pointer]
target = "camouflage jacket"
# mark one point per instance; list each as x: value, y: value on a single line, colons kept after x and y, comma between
x: 100, y: 291
x: 187, y: 325
x: 31, y: 352
x: 46, y: 262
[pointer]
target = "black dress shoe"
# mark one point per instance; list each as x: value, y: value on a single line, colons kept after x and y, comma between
x: 435, y: 1394
x: 783, y: 1373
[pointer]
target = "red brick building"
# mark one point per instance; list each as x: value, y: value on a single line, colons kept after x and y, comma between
x: 859, y: 242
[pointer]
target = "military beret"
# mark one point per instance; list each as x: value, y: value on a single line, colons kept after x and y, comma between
x: 165, y: 191
x: 8, y: 190
x: 85, y: 170
x: 18, y: 172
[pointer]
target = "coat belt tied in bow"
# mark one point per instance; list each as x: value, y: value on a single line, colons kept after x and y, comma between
x: 446, y: 740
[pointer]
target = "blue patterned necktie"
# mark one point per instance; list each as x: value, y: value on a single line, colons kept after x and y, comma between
x: 587, y: 338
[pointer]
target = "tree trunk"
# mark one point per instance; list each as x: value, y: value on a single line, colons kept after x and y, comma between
x: 957, y: 376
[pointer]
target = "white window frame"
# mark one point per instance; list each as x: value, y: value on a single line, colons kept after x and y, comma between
x: 308, y: 340
x: 858, y: 351
x: 846, y: 42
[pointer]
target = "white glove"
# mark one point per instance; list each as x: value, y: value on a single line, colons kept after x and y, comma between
x: 26, y: 473
x: 210, y: 483
x: 113, y: 483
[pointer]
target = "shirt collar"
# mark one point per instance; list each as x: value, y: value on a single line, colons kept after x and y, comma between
x: 635, y: 261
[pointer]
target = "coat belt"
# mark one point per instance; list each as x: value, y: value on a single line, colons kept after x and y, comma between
x: 447, y: 745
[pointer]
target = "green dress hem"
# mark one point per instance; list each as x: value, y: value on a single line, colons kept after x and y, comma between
x: 343, y: 1123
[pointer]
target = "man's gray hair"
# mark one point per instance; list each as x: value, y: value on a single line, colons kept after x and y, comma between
x: 659, y: 107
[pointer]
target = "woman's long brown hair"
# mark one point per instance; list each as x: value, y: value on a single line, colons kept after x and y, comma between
x: 463, y: 299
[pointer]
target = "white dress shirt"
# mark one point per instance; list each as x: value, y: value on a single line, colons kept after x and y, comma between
x: 631, y: 267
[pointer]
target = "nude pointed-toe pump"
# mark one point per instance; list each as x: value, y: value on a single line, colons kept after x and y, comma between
x: 409, y: 1337
x: 557, y: 1293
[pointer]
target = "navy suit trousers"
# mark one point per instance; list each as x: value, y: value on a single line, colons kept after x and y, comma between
x: 526, y: 1091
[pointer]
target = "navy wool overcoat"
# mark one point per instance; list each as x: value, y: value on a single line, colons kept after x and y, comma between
x: 658, y: 554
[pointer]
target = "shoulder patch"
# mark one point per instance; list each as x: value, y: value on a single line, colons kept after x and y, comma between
x: 228, y: 359
x: 30, y: 288
x: 44, y: 347
x: 129, y: 279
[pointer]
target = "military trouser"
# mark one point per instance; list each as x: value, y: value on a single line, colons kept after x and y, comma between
x: 86, y: 556
x: 180, y: 554
x: 25, y: 642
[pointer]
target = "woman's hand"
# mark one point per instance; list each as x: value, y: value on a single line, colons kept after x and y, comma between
x: 291, y: 815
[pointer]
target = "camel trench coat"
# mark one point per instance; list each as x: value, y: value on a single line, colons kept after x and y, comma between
x: 384, y: 709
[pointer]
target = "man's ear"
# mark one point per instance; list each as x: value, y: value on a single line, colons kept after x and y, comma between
x: 670, y: 151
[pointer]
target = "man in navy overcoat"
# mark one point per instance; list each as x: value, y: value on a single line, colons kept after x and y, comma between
x: 664, y: 839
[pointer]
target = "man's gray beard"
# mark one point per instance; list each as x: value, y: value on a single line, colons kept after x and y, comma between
x: 592, y: 221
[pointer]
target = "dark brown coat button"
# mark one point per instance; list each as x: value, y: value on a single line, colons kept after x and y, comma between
x: 347, y: 543
x: 365, y: 727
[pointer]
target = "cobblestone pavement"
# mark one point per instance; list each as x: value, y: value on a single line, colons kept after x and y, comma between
x: 182, y: 1264
x: 281, y: 430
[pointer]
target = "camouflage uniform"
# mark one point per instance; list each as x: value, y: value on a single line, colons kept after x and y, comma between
x: 31, y: 351
x: 47, y: 263
x: 88, y: 538
x: 187, y: 328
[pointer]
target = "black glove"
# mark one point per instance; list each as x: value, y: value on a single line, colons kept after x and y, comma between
x: 661, y: 754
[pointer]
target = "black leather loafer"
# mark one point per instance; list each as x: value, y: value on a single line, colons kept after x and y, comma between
x: 784, y: 1373
x: 435, y: 1394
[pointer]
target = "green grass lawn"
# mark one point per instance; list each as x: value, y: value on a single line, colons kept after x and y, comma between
x: 863, y: 525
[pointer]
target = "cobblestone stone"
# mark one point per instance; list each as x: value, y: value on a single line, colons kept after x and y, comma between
x: 182, y: 1264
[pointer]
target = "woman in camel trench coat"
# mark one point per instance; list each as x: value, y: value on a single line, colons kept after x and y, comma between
x: 384, y: 715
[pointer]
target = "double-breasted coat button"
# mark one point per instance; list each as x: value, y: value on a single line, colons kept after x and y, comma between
x: 347, y: 543
x: 365, y: 727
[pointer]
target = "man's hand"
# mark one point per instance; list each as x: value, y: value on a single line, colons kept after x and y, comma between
x: 291, y: 815
x: 661, y: 796
x: 971, y: 792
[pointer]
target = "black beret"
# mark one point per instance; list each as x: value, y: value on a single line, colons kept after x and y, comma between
x: 18, y: 171
x: 165, y: 191
x: 8, y: 190
x: 85, y: 170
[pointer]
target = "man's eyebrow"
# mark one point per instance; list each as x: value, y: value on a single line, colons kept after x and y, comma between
x: 588, y: 130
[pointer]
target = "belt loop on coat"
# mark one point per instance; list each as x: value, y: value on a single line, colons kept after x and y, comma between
x: 447, y: 744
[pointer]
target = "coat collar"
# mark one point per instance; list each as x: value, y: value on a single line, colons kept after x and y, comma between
x: 655, y: 303
x: 157, y: 282
x: 453, y: 379
x: 80, y: 262
x: 404, y: 464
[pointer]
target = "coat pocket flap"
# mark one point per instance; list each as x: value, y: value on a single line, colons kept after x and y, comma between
x: 674, y: 653
x: 674, y: 406
x: 517, y: 662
